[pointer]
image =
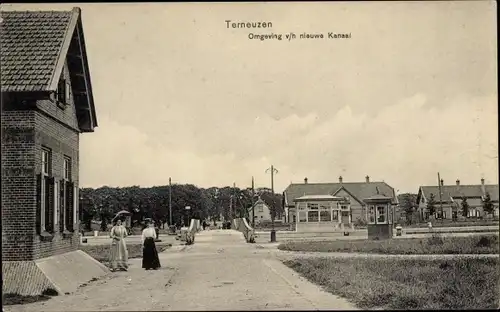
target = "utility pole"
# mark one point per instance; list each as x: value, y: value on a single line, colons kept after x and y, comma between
x: 273, y: 212
x: 440, y: 196
x: 253, y: 204
x: 170, y: 200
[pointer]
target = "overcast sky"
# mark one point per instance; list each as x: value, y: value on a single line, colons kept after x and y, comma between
x: 413, y: 92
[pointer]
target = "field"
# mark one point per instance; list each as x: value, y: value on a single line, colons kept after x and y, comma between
x: 478, y: 244
x: 407, y: 284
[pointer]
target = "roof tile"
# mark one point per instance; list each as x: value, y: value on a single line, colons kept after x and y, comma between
x: 28, y: 39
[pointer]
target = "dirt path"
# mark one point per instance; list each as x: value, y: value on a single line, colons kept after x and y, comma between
x: 219, y: 272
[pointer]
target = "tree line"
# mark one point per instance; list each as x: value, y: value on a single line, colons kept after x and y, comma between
x: 102, y: 204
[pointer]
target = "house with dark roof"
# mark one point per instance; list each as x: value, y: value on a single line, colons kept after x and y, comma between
x: 261, y: 209
x: 326, y: 206
x: 47, y: 102
x: 450, y: 197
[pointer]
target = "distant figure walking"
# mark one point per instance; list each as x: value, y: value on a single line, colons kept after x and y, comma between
x: 150, y: 258
x: 119, y: 252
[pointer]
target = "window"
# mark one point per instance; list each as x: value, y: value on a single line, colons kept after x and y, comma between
x: 294, y: 218
x: 68, y: 200
x: 381, y: 214
x: 67, y: 168
x: 62, y: 93
x: 260, y: 208
x: 371, y: 214
x: 324, y: 207
x: 312, y: 216
x: 325, y: 215
x: 335, y: 215
x: 312, y: 206
x: 344, y: 207
x: 45, y: 194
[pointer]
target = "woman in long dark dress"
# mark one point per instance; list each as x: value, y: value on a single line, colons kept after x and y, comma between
x: 150, y: 258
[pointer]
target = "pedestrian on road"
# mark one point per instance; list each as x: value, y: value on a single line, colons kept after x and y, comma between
x: 119, y: 252
x: 150, y: 258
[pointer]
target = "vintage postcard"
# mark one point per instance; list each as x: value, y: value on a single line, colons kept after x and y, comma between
x: 249, y: 156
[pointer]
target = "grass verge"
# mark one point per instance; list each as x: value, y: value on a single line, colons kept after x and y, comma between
x: 406, y: 284
x: 101, y: 252
x: 12, y: 299
x: 479, y: 244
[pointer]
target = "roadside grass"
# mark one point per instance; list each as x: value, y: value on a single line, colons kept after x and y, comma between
x: 478, y: 244
x: 13, y: 299
x: 102, y: 252
x: 406, y: 284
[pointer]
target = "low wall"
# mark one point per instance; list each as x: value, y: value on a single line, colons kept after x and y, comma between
x: 332, y: 227
x: 241, y: 224
x: 63, y: 273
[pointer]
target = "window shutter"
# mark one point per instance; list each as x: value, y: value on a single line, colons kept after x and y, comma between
x: 62, y: 205
x: 70, y: 203
x: 56, y: 204
x: 38, y: 203
x: 49, y: 205
x: 75, y: 206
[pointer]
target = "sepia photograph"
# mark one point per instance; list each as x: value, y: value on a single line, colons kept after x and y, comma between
x: 211, y: 156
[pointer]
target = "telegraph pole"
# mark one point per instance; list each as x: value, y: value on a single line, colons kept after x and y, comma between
x: 253, y: 204
x: 440, y: 197
x: 170, y: 200
x: 273, y: 212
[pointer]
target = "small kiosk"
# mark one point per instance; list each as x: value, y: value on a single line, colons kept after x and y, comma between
x: 379, y: 216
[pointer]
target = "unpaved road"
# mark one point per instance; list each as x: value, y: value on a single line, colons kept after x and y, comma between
x: 219, y: 272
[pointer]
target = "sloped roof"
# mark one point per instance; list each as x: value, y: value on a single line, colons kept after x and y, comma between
x: 459, y: 191
x: 34, y: 48
x: 267, y: 199
x: 31, y: 44
x: 360, y: 190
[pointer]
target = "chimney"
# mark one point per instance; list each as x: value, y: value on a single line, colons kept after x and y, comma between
x: 305, y: 180
x: 482, y: 181
x: 340, y: 179
x: 458, y: 182
x: 442, y: 182
x: 367, y: 179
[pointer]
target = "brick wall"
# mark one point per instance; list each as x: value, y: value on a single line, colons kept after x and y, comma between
x: 24, y: 134
x: 59, y: 133
x: 18, y: 185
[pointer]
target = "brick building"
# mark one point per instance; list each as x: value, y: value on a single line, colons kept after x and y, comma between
x: 47, y: 102
x: 450, y: 198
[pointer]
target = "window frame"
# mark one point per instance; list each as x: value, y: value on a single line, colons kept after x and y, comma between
x: 371, y: 211
x: 45, y: 174
x: 62, y: 93
x: 385, y: 214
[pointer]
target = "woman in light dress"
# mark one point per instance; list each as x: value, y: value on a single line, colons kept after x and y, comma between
x: 150, y: 258
x: 119, y: 252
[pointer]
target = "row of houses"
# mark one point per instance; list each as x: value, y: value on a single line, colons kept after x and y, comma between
x: 348, y: 203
